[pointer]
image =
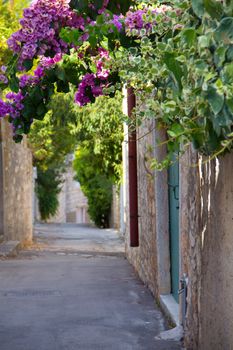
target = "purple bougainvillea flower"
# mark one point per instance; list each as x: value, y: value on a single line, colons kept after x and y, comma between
x: 40, y: 28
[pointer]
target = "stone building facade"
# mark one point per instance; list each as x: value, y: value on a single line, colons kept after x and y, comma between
x: 203, y: 252
x: 73, y: 205
x: 16, y: 188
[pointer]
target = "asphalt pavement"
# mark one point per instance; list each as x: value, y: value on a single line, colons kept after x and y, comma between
x: 74, y: 290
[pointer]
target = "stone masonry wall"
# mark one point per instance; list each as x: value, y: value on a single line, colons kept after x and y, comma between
x: 190, y: 237
x: 207, y: 254
x: 17, y: 187
x: 144, y: 258
x: 73, y: 204
x: 216, y: 300
x: 76, y: 202
x: 115, y: 209
x: 206, y: 242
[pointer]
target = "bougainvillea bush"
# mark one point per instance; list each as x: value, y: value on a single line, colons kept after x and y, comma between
x: 53, y: 39
x: 177, y: 56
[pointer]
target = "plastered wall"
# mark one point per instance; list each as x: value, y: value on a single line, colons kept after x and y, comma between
x: 17, y: 184
x: 207, y: 250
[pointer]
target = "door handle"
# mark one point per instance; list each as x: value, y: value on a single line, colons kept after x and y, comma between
x: 174, y: 188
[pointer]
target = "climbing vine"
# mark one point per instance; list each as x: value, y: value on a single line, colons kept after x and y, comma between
x: 178, y: 56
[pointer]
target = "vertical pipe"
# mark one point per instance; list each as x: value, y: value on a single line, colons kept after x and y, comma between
x: 133, y: 181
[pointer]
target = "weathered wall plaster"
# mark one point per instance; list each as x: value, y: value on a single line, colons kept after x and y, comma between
x: 207, y: 254
x: 17, y: 187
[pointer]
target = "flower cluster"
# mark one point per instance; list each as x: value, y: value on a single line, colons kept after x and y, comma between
x: 40, y: 27
x: 102, y: 72
x: 136, y: 21
x: 145, y: 19
x: 31, y: 80
x: 48, y: 62
x: 16, y: 103
x: 117, y: 21
x: 5, y: 109
x: 3, y: 78
x: 39, y: 37
x: 92, y: 84
x: 12, y: 107
x: 89, y: 88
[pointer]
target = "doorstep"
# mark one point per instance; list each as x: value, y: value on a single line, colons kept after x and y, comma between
x: 170, y: 307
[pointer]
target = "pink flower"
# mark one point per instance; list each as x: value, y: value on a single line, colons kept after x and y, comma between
x: 89, y: 88
x: 3, y: 79
x: 40, y: 29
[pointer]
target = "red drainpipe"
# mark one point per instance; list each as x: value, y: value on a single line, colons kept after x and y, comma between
x: 133, y: 181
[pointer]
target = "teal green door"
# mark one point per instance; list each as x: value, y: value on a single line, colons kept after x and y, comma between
x: 173, y: 185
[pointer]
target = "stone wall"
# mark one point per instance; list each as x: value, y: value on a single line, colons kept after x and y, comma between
x: 73, y: 204
x: 207, y: 251
x: 144, y: 258
x: 17, y: 187
x: 216, y: 319
x: 76, y: 202
x: 190, y: 240
x: 115, y: 209
x: 206, y: 237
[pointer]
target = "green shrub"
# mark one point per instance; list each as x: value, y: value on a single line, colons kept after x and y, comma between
x: 48, y: 188
x: 96, y: 186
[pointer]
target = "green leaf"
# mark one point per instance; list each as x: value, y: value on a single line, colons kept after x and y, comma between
x: 215, y: 100
x: 14, y: 83
x: 29, y: 110
x: 36, y: 95
x: 203, y: 41
x: 214, y: 8
x: 229, y: 54
x: 224, y: 32
x: 227, y: 73
x: 212, y: 142
x: 41, y: 111
x: 198, y: 7
x: 62, y: 86
x: 93, y: 40
x: 174, y: 67
x: 51, y: 76
x: 229, y: 103
x: 189, y: 36
x: 28, y: 64
x: 71, y: 36
x: 60, y: 73
x: 176, y: 130
x: 220, y: 56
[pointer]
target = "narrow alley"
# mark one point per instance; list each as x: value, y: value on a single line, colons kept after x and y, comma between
x: 74, y: 290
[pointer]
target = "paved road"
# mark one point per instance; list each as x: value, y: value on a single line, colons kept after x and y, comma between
x: 66, y: 293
